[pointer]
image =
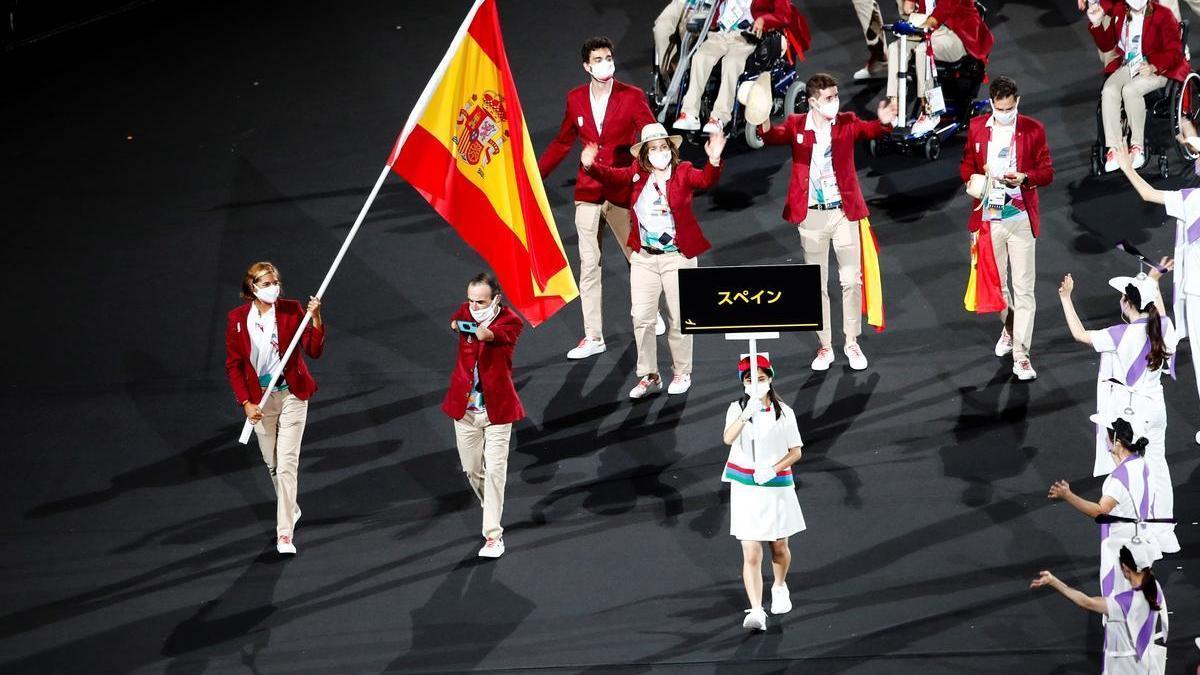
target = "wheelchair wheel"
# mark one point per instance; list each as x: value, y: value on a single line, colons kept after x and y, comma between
x: 795, y: 100
x: 750, y: 132
x: 1164, y: 167
x: 1185, y: 115
x: 933, y: 147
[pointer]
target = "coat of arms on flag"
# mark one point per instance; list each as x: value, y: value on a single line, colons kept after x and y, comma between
x: 479, y: 136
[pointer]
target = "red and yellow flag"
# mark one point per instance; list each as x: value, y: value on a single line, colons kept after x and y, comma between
x: 872, y: 290
x: 466, y: 150
x: 984, y: 294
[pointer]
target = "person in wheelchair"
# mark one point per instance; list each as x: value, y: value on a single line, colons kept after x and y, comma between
x: 670, y: 24
x: 1143, y: 42
x: 727, y: 42
x: 954, y: 30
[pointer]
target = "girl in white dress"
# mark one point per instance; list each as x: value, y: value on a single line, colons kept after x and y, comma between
x: 1133, y: 356
x: 762, y: 495
x: 1135, y: 621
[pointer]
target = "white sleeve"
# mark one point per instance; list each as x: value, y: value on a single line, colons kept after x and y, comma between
x: 1113, y: 611
x: 792, y: 430
x: 1173, y: 201
x: 1113, y: 488
x: 731, y: 414
x: 1170, y: 337
x: 1102, y: 341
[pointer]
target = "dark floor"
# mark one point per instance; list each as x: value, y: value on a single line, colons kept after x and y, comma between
x: 148, y: 158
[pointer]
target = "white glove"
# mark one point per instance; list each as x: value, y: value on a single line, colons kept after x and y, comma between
x: 764, y: 474
x: 747, y: 412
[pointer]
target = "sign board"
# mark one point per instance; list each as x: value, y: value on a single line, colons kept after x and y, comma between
x: 750, y: 299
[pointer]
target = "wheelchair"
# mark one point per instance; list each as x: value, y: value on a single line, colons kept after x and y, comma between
x: 960, y: 82
x: 672, y: 78
x: 1177, y: 104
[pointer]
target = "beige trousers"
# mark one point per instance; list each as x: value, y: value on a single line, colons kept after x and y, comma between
x: 1015, y: 247
x: 279, y: 434
x: 591, y: 264
x: 946, y: 47
x: 871, y: 20
x: 483, y: 451
x: 666, y: 26
x: 817, y: 232
x: 650, y: 276
x: 1120, y: 88
x: 732, y: 50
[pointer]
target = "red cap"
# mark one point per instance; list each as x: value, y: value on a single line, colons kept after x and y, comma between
x: 763, y: 362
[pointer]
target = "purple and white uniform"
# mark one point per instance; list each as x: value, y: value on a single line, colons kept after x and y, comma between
x: 1184, y: 207
x: 1130, y: 485
x: 1131, y: 629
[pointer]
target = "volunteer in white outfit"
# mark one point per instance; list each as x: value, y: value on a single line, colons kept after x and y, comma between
x: 1133, y: 356
x: 1129, y: 499
x: 1184, y: 207
x: 1135, y: 621
x: 762, y: 495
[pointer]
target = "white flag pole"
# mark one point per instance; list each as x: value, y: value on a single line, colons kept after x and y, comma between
x: 278, y: 370
x: 409, y: 125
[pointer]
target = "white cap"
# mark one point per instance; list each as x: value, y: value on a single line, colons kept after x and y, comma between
x: 1137, y: 422
x: 1146, y: 287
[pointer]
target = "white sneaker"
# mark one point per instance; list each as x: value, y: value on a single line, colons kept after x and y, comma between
x: 1024, y: 371
x: 1004, y: 344
x: 924, y: 124
x: 645, y: 386
x: 587, y: 347
x: 1137, y: 156
x: 680, y: 384
x: 492, y: 548
x: 872, y: 71
x: 714, y: 126
x: 660, y: 326
x: 1110, y: 161
x: 858, y: 360
x: 686, y: 122
x: 756, y: 619
x: 824, y: 359
x: 285, y: 545
x: 781, y: 600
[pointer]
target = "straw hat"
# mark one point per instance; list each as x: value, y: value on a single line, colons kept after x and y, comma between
x: 755, y: 97
x: 1147, y: 288
x: 653, y: 132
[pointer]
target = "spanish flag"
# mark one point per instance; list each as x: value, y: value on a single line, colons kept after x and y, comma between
x: 983, y: 285
x: 872, y: 292
x: 466, y: 150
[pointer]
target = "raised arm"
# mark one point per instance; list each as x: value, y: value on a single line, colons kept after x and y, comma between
x: 1062, y: 490
x: 776, y: 135
x: 1144, y: 189
x: 1077, y: 330
x: 1081, y: 599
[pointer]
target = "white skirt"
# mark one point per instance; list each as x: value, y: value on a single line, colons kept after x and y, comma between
x: 758, y: 513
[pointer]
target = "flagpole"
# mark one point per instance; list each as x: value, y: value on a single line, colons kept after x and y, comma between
x: 277, y: 371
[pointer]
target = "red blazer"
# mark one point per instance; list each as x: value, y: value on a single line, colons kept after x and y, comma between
x: 1033, y: 160
x: 684, y: 181
x: 848, y: 129
x: 1161, y: 43
x: 495, y: 369
x: 242, y: 375
x: 776, y: 14
x: 626, y: 114
x: 962, y: 18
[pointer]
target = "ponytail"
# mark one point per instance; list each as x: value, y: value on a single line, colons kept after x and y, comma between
x: 1122, y: 431
x: 1157, y: 357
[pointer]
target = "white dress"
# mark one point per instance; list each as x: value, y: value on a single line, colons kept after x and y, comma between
x: 1131, y: 628
x: 770, y: 511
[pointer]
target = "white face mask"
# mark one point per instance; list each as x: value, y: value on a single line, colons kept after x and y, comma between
x: 603, y: 71
x: 1006, y: 117
x: 269, y: 294
x: 829, y: 110
x: 486, y: 314
x: 660, y: 159
x: 762, y: 389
